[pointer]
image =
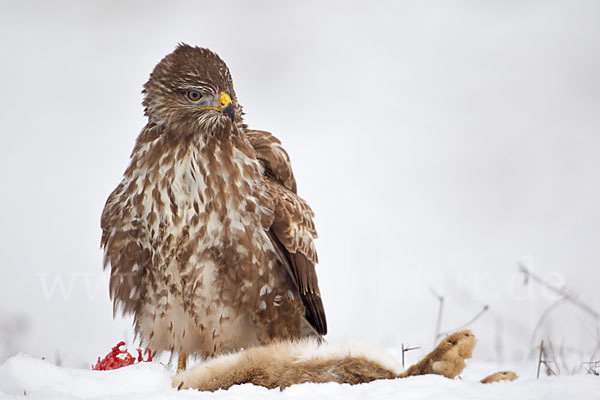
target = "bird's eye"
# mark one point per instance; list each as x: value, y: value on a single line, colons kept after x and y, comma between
x: 194, y: 95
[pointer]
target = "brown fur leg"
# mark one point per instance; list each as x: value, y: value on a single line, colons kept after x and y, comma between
x: 500, y: 376
x: 281, y: 365
x: 352, y: 370
x: 219, y: 373
x: 286, y: 363
x: 448, y: 358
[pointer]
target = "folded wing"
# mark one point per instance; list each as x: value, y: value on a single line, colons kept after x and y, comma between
x: 292, y: 231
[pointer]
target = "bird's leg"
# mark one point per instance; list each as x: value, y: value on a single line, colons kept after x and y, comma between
x: 182, y: 362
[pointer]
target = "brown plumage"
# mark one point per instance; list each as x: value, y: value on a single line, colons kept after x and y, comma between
x: 209, y: 246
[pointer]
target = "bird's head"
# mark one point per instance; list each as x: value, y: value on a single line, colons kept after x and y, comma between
x: 191, y: 87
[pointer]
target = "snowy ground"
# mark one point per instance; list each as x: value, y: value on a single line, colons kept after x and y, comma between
x: 39, y: 379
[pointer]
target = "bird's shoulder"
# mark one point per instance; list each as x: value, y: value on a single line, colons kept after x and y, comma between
x: 273, y: 157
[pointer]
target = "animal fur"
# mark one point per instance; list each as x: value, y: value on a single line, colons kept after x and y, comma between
x: 448, y: 358
x: 500, y: 376
x: 285, y: 363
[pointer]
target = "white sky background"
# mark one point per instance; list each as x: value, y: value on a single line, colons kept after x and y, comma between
x: 439, y: 143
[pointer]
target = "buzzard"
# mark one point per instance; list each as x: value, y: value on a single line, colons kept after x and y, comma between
x: 209, y: 246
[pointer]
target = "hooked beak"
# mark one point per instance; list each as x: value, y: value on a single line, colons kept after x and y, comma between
x: 227, y: 106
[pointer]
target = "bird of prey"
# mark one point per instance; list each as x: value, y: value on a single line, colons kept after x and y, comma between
x: 209, y: 245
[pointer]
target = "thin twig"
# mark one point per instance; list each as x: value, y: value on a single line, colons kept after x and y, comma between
x: 560, y: 291
x: 592, y: 368
x: 439, y: 317
x: 540, y: 359
x: 553, y: 360
x: 549, y: 370
x: 405, y: 349
x: 475, y: 318
x: 595, y: 336
x: 544, y: 315
x: 561, y: 355
x: 402, y: 355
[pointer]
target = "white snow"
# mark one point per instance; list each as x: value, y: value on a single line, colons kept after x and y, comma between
x: 39, y: 379
x: 24, y: 374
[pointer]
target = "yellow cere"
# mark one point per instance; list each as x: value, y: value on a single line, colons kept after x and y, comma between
x: 224, y: 99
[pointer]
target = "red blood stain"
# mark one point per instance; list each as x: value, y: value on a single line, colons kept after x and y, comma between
x: 118, y: 358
